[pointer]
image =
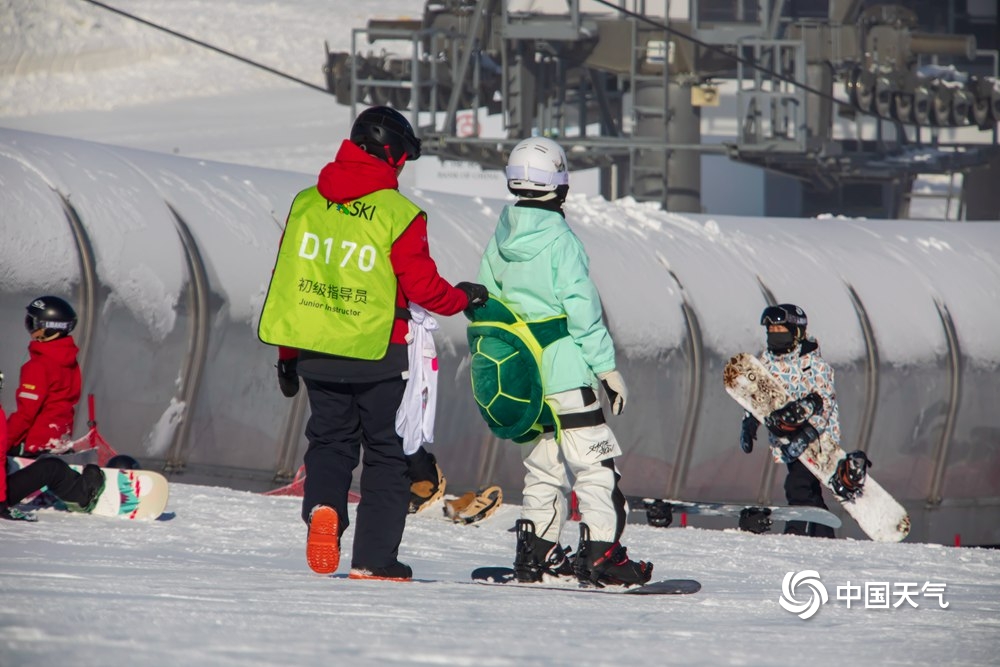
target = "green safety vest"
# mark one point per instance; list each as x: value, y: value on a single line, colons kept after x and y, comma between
x: 333, y: 289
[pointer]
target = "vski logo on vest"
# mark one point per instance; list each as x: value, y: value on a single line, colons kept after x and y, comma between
x: 355, y: 209
x: 807, y: 608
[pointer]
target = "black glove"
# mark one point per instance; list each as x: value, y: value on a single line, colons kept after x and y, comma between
x: 748, y: 432
x: 476, y: 293
x: 755, y: 519
x: 288, y: 377
x: 798, y: 442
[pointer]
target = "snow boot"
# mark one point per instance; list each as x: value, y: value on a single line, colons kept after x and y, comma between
x: 849, y: 479
x: 607, y: 563
x: 537, y: 557
x: 323, y: 543
x: 394, y: 572
x: 14, y: 514
x: 91, y: 486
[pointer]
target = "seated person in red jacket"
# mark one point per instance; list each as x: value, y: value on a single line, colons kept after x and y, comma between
x: 49, y: 386
x: 78, y: 490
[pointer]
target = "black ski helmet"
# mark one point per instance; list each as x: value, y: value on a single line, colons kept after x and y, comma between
x: 123, y: 462
x: 784, y: 313
x: 386, y: 134
x: 792, y: 317
x: 52, y: 314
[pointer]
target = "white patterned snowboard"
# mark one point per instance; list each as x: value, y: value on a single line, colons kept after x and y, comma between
x: 129, y: 494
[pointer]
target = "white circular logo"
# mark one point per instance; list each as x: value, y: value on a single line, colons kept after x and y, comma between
x: 817, y: 593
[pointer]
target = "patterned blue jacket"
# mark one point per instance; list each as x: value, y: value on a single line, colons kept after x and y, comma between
x: 803, y: 371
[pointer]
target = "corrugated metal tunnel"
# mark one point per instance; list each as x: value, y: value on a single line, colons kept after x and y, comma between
x: 167, y: 260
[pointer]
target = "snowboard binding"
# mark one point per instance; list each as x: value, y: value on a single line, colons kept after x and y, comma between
x: 793, y: 415
x: 755, y: 520
x: 537, y: 558
x: 848, y: 479
x: 659, y: 513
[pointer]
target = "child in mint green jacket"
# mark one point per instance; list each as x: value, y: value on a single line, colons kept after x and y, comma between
x: 538, y: 267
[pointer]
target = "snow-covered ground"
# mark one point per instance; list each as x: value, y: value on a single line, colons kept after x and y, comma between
x: 224, y: 582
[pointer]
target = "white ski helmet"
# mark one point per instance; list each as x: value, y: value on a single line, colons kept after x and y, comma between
x: 537, y: 164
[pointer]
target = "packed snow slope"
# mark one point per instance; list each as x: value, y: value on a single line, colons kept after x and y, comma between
x: 224, y: 582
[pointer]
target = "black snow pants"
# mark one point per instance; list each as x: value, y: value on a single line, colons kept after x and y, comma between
x: 802, y: 488
x: 345, y: 416
x: 62, y: 481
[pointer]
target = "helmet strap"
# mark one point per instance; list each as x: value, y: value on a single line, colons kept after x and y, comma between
x: 393, y: 162
x: 542, y: 197
x: 39, y: 335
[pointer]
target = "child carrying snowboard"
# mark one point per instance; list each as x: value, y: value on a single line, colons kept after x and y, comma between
x: 538, y: 268
x: 793, y: 357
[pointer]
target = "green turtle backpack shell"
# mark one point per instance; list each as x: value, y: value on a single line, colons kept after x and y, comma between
x: 506, y: 370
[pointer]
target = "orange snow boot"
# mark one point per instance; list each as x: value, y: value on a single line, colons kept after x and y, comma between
x: 323, y: 543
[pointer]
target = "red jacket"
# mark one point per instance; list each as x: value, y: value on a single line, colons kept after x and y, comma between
x: 47, y: 395
x: 3, y: 459
x: 354, y: 173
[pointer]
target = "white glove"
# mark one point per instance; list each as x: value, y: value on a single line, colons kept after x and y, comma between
x: 614, y: 387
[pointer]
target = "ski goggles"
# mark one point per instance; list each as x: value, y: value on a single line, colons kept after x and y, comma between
x: 32, y: 324
x: 778, y: 315
x: 521, y: 172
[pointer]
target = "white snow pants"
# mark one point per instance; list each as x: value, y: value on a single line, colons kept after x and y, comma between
x: 580, y: 455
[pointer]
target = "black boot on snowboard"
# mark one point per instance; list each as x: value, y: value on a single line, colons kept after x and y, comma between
x: 849, y: 479
x: 607, y: 563
x: 92, y: 483
x: 537, y: 557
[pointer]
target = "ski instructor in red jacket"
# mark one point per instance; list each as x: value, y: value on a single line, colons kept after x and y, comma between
x: 353, y: 255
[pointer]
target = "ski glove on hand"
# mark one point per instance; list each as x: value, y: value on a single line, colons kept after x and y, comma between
x: 476, y: 293
x: 614, y: 387
x: 798, y: 442
x: 288, y: 377
x: 748, y: 432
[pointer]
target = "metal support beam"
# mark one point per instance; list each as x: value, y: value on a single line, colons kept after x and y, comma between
x: 194, y: 364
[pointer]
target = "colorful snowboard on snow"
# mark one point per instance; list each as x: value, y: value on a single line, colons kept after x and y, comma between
x: 496, y: 576
x: 130, y: 494
x: 878, y: 514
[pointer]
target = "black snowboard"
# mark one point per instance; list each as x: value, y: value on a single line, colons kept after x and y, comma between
x: 495, y: 576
